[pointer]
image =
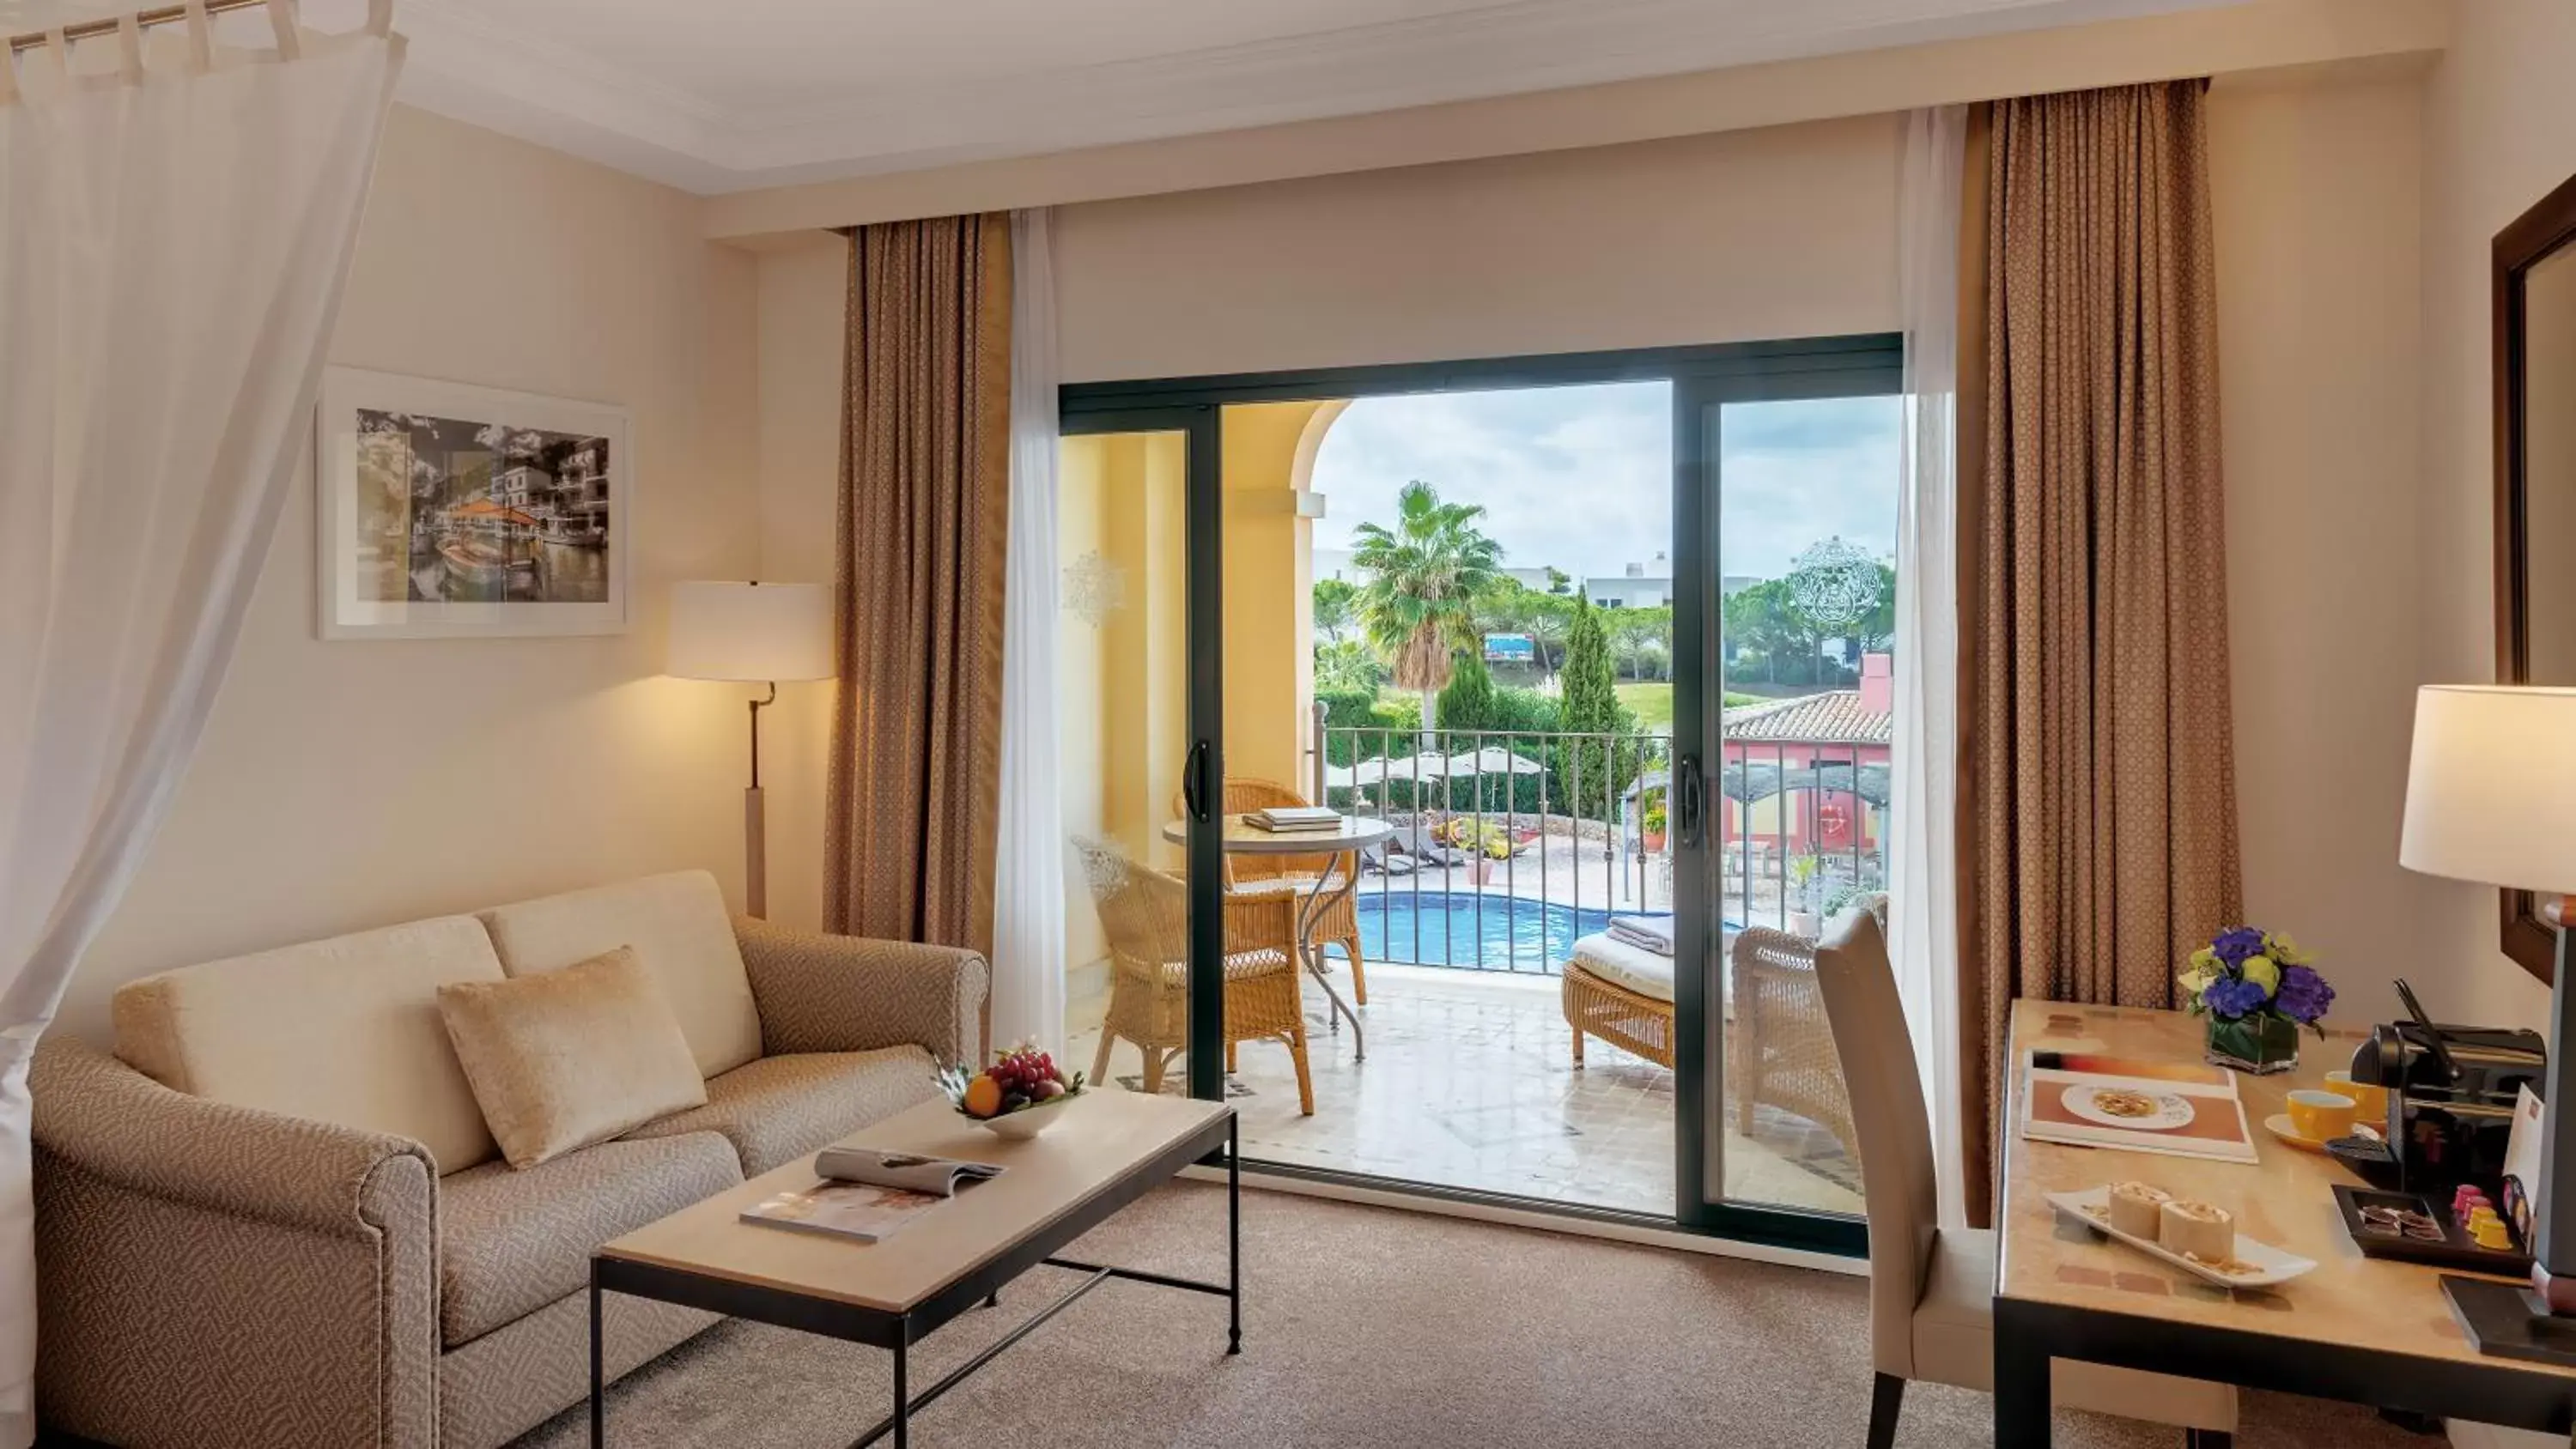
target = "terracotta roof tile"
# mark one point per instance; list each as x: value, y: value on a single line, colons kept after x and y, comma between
x: 1831, y: 718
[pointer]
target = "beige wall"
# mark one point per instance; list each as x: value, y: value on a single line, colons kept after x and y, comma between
x: 2500, y: 132
x: 350, y: 784
x: 1783, y: 232
x: 2315, y: 182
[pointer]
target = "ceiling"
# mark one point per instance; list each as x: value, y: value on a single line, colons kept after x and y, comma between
x: 722, y: 97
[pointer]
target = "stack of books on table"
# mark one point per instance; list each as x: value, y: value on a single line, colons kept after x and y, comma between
x: 1295, y: 819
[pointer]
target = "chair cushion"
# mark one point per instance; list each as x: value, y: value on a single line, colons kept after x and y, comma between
x: 1635, y: 967
x: 778, y: 1109
x: 512, y: 1242
x: 563, y: 1059
x: 344, y: 1031
x: 1954, y: 1343
x: 677, y: 925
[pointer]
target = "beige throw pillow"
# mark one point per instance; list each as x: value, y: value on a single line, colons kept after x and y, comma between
x: 563, y: 1059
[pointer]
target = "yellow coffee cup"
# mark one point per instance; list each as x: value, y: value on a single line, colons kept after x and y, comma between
x: 2321, y: 1116
x: 2370, y: 1101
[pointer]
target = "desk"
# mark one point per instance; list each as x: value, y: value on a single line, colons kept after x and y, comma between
x: 2363, y: 1330
x: 1354, y: 835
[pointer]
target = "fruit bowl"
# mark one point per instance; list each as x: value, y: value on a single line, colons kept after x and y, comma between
x: 1011, y: 1098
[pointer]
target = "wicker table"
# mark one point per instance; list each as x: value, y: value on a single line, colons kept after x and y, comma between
x: 1354, y: 835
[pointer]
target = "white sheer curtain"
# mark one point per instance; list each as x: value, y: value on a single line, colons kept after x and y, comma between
x: 1923, y: 863
x: 1028, y: 878
x: 174, y: 232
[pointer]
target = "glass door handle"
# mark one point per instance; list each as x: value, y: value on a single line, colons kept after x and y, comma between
x: 1194, y: 781
x: 1689, y: 799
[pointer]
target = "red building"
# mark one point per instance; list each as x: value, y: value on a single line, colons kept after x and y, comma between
x: 1808, y: 774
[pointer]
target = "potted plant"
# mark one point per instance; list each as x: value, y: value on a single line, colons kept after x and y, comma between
x: 2256, y: 989
x: 1803, y: 920
x: 1652, y: 822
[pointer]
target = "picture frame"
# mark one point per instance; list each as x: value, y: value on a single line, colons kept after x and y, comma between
x: 443, y: 510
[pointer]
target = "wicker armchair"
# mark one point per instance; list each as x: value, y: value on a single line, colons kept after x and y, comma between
x: 1294, y: 874
x: 1147, y: 915
x: 1780, y: 1050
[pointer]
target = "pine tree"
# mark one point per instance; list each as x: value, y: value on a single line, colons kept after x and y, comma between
x: 1590, y: 705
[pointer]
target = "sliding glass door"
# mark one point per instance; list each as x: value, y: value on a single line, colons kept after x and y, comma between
x: 1586, y: 641
x: 1785, y: 500
x: 1141, y: 685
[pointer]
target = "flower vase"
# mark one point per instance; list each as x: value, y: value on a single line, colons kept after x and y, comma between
x: 2258, y: 1044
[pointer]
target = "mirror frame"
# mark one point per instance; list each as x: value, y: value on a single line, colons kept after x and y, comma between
x: 2533, y: 237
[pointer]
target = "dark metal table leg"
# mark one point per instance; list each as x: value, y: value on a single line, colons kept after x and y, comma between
x: 1234, y: 1235
x: 902, y: 1390
x: 598, y: 1385
x: 2021, y: 1382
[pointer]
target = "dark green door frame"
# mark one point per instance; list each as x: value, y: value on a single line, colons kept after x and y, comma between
x: 1704, y: 379
x: 1203, y: 769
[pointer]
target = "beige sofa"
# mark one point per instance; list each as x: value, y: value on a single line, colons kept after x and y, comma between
x: 275, y: 1217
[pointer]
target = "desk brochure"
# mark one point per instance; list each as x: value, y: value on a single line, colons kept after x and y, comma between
x: 868, y: 1192
x: 1292, y: 819
x: 2088, y: 1099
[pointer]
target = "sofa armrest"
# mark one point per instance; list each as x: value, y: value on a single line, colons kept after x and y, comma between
x: 125, y: 1129
x: 825, y: 993
x: 215, y: 1275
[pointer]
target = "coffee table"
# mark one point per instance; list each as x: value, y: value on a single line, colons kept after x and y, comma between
x: 1109, y: 1149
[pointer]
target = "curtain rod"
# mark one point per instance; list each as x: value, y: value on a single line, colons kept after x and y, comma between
x: 92, y: 29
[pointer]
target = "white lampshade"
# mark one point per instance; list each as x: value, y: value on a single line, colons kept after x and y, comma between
x: 750, y: 633
x: 2491, y: 789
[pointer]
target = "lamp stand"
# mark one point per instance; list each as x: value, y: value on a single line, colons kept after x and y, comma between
x: 2538, y: 1323
x: 755, y: 826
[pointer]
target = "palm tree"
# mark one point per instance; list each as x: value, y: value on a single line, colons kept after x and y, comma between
x: 1424, y: 577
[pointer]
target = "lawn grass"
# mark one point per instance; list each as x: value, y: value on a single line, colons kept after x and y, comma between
x: 1651, y: 701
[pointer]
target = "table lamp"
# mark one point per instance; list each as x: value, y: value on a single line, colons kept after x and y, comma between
x: 751, y: 633
x: 2491, y: 798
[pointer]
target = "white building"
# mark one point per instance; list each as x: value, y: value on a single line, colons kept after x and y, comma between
x: 1638, y: 586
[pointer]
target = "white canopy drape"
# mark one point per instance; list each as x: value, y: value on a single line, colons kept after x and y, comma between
x: 1029, y: 871
x: 1922, y: 863
x: 174, y: 232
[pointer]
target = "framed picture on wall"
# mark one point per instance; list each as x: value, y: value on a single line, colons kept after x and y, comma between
x: 444, y: 510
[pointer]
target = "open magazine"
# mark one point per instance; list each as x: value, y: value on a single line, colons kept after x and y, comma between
x: 2187, y: 1109
x: 868, y: 1192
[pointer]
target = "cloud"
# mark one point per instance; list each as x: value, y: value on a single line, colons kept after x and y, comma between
x: 1581, y: 478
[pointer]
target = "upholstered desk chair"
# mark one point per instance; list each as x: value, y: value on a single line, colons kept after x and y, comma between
x: 1931, y: 1290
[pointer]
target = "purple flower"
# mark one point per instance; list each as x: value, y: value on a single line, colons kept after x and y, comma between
x: 2230, y: 997
x: 2237, y: 943
x: 2304, y: 995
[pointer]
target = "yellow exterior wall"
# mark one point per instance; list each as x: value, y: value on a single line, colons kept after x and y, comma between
x: 1269, y: 583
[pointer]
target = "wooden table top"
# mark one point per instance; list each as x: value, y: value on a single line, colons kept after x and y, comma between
x: 1105, y: 1135
x: 1241, y: 839
x: 2284, y: 1199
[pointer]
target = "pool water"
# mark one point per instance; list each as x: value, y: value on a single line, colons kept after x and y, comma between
x: 1461, y: 928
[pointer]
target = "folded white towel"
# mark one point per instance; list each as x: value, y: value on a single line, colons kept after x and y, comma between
x: 1652, y: 933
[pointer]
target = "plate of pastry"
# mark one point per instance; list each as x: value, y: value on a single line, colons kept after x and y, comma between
x: 2197, y: 1237
x: 2134, y: 1108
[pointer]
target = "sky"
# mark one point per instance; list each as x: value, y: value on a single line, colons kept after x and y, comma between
x: 1580, y: 478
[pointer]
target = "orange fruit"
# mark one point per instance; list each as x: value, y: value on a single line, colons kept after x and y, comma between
x: 983, y: 1097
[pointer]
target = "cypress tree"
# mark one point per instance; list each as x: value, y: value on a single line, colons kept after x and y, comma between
x: 1590, y: 705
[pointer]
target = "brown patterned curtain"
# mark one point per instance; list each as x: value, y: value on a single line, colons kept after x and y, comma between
x: 925, y: 459
x: 2099, y: 800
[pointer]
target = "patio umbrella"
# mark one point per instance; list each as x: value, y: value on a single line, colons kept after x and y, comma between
x: 1491, y: 760
x: 1428, y: 765
x: 1747, y: 783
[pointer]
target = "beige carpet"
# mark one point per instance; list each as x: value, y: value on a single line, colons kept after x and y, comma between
x: 1365, y: 1326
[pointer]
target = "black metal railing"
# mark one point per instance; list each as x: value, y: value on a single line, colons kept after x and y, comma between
x: 1510, y: 844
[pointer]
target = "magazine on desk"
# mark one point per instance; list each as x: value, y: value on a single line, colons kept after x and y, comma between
x: 866, y: 1192
x: 2186, y: 1109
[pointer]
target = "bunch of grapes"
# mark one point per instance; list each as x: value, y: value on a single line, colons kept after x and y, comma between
x: 1026, y: 1075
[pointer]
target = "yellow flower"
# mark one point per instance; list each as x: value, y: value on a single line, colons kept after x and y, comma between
x: 2263, y: 971
x: 2197, y: 979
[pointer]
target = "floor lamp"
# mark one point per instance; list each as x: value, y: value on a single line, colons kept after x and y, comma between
x: 751, y: 633
x: 2491, y: 798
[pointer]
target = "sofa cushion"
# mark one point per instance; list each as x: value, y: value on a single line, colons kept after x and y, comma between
x: 563, y: 1059
x: 677, y: 925
x: 343, y: 1031
x: 512, y: 1242
x: 778, y: 1109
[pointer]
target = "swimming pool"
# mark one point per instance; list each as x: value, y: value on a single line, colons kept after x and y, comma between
x: 1475, y: 932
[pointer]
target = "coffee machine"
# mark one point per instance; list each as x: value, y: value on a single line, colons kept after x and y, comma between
x: 2451, y: 1093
